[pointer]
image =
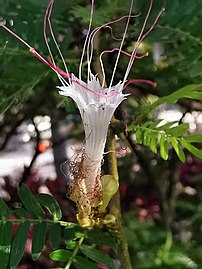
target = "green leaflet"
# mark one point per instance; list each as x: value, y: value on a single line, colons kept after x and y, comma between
x: 55, y: 235
x: 5, y: 243
x: 110, y: 186
x: 5, y: 105
x: 97, y: 255
x: 196, y: 152
x: 20, y: 213
x: 164, y: 147
x: 62, y: 255
x: 38, y: 239
x: 50, y: 204
x: 187, y: 91
x: 178, y: 149
x: 146, y: 137
x: 30, y: 202
x: 101, y: 239
x: 139, y: 136
x: 154, y: 142
x: 179, y: 130
x: 196, y: 138
x: 19, y: 242
x: 4, y: 210
x: 81, y: 263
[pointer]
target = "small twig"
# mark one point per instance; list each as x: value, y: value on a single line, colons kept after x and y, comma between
x: 74, y: 253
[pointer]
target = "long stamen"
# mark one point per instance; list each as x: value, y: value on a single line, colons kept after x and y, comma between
x: 141, y: 37
x: 54, y: 39
x: 122, y: 51
x: 97, y: 29
x: 48, y: 10
x: 121, y: 45
x: 152, y: 83
x: 15, y: 35
x: 87, y: 36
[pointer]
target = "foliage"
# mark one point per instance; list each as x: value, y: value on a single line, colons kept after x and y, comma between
x: 82, y: 247
x: 159, y: 251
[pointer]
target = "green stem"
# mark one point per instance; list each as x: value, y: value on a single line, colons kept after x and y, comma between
x: 75, y: 251
x: 115, y: 207
x: 18, y: 221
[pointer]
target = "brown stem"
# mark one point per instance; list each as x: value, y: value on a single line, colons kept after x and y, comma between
x: 115, y: 207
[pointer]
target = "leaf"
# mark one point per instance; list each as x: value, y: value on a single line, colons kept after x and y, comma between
x: 173, y: 97
x: 179, y: 130
x: 4, y: 209
x: 19, y: 242
x: 196, y: 138
x: 81, y: 263
x: 20, y: 213
x: 38, y: 239
x: 97, y: 255
x: 110, y: 186
x: 55, y: 235
x: 146, y: 137
x: 30, y: 202
x: 5, y: 105
x: 62, y: 255
x: 178, y: 149
x: 5, y: 243
x: 139, y: 136
x: 101, y: 239
x: 154, y: 142
x: 50, y: 204
x: 196, y: 152
x: 164, y: 147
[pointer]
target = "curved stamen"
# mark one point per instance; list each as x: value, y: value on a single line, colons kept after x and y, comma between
x: 96, y: 30
x: 54, y: 39
x: 152, y: 83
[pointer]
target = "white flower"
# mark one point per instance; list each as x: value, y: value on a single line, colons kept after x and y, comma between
x: 96, y: 109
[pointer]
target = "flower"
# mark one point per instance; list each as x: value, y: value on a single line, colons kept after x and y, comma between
x: 96, y: 104
x: 96, y: 111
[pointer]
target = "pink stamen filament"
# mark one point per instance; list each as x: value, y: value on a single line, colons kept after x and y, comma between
x: 152, y: 83
x: 56, y: 69
x: 96, y: 30
x: 141, y: 38
x: 53, y: 36
x: 122, y: 51
x: 11, y: 32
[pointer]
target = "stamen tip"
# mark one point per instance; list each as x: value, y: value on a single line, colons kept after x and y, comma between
x: 32, y: 50
x: 147, y: 54
x: 163, y: 9
x: 155, y: 84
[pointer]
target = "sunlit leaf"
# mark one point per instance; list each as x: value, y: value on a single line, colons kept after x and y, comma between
x: 196, y: 152
x: 164, y: 147
x: 62, y: 255
x: 50, y: 204
x: 178, y: 149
